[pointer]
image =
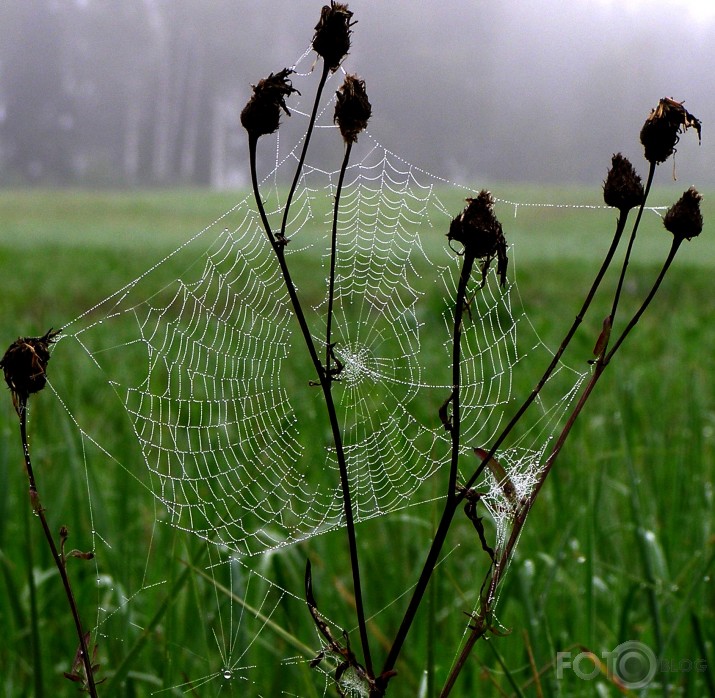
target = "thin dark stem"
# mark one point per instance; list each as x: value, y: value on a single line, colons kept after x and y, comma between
x: 306, y: 142
x: 481, y: 625
x: 333, y: 260
x: 453, y: 497
x: 456, y: 416
x: 451, y: 501
x: 620, y: 227
x: 671, y: 255
x: 35, y: 636
x: 621, y: 278
x: 278, y: 245
x: 58, y: 559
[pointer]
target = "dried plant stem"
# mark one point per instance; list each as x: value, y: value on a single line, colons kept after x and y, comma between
x: 34, y: 614
x: 452, y: 500
x: 624, y: 267
x: 333, y: 260
x: 620, y: 227
x: 325, y: 381
x: 58, y: 559
x: 306, y: 142
x: 482, y: 619
x: 637, y: 315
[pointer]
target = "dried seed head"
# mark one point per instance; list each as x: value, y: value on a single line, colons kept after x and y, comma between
x: 261, y: 115
x: 481, y: 234
x: 623, y: 188
x: 25, y: 366
x: 352, y: 108
x: 661, y: 130
x: 684, y: 218
x: 332, y: 34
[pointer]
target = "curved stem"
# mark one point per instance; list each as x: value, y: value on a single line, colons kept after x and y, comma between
x: 621, y: 278
x: 480, y: 626
x: 620, y: 227
x: 306, y: 142
x: 333, y: 260
x: 671, y: 255
x: 452, y: 500
x: 58, y: 559
x: 278, y: 245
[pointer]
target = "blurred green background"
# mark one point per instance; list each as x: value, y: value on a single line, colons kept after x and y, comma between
x: 619, y: 546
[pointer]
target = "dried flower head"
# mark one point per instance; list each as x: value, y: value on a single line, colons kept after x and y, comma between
x: 332, y: 34
x: 623, y: 188
x: 481, y: 234
x: 261, y: 115
x: 684, y: 218
x: 661, y: 130
x: 352, y: 108
x: 25, y: 366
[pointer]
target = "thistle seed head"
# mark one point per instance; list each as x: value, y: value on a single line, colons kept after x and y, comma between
x: 25, y: 366
x: 261, y: 115
x: 352, y: 108
x: 623, y: 188
x: 332, y: 34
x: 481, y: 234
x: 684, y: 218
x: 661, y: 130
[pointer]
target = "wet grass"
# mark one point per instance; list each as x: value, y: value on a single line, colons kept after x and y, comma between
x: 619, y: 547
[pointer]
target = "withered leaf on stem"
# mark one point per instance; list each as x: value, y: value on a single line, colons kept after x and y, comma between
x: 25, y: 366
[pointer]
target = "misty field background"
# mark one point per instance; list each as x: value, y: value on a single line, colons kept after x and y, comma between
x: 619, y: 547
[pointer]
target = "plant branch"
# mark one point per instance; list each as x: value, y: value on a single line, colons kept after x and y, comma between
x: 481, y: 620
x: 325, y: 381
x: 620, y: 227
x: 56, y: 556
x: 333, y: 259
x: 452, y: 500
x: 624, y: 267
x: 306, y: 142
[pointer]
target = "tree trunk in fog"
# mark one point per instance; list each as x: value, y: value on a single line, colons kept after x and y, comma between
x: 221, y: 107
x: 162, y: 113
x: 192, y: 112
x: 132, y: 134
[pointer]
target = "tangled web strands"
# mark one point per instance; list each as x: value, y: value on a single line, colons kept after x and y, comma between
x: 233, y: 436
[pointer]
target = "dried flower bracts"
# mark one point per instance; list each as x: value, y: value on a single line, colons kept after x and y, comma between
x: 481, y: 234
x: 25, y: 366
x: 661, y: 130
x: 623, y: 188
x: 332, y: 34
x: 352, y: 108
x: 684, y: 218
x: 261, y: 115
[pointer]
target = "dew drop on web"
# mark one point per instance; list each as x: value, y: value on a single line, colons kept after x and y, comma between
x: 227, y: 674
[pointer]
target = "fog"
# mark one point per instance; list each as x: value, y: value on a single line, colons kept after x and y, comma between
x: 148, y: 92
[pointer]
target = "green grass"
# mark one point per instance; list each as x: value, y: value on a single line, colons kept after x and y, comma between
x: 618, y: 548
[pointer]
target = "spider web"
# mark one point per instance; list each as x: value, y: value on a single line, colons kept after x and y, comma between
x: 223, y: 398
x: 203, y: 355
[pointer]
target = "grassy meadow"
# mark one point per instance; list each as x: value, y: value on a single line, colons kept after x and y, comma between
x: 619, y: 548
